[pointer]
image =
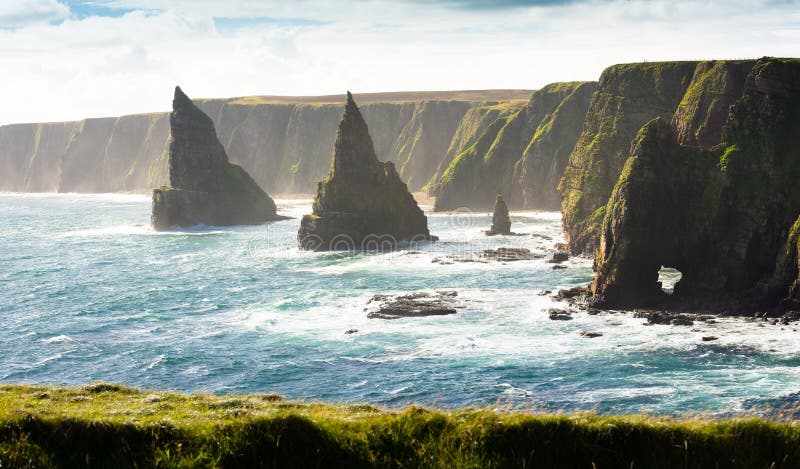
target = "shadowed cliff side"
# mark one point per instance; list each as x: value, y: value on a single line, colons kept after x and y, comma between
x: 362, y: 204
x: 627, y: 97
x: 204, y: 187
x: 522, y: 153
x: 725, y: 217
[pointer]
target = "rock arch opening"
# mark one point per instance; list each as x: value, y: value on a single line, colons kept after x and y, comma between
x: 668, y: 277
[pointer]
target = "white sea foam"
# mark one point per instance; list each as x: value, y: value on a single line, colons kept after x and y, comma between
x: 247, y: 298
x: 59, y: 339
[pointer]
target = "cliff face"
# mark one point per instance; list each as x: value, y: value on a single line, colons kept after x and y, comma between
x: 363, y: 203
x: 283, y: 143
x: 204, y: 187
x: 722, y: 216
x: 627, y: 97
x: 521, y: 153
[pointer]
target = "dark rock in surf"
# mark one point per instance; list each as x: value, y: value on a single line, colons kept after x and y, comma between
x: 508, y: 254
x: 416, y: 304
x: 501, y: 222
x: 558, y: 258
x: 559, y: 314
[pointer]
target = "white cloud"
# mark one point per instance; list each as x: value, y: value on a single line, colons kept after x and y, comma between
x: 16, y: 13
x: 96, y: 66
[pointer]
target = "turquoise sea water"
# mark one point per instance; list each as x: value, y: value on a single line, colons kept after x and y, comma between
x: 89, y: 292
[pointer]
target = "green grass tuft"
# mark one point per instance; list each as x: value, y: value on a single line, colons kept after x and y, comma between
x: 102, y: 425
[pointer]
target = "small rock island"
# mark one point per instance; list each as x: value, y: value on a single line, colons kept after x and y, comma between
x: 363, y: 203
x: 204, y: 187
x: 501, y: 223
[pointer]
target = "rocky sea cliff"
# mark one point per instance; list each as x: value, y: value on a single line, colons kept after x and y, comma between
x: 283, y: 142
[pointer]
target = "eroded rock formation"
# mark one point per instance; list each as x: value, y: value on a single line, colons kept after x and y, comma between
x: 627, y: 97
x: 723, y: 214
x: 501, y: 222
x: 363, y: 203
x: 204, y: 187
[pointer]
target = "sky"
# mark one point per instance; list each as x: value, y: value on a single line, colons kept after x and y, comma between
x: 72, y: 59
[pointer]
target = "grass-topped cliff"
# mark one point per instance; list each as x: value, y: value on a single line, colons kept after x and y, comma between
x: 520, y: 152
x: 104, y: 425
x: 283, y: 142
x: 712, y: 193
x: 627, y: 97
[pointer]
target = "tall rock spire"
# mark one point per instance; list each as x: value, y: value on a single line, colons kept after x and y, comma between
x: 195, y: 153
x: 205, y: 189
x: 362, y: 204
x: 501, y: 223
x: 353, y: 151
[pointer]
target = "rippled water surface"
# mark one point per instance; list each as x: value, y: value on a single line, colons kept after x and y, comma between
x: 89, y: 292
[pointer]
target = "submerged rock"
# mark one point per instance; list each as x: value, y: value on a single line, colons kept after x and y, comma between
x: 558, y: 258
x: 559, y: 314
x: 509, y: 254
x: 665, y: 317
x: 205, y: 188
x: 363, y: 203
x: 416, y: 304
x: 501, y: 222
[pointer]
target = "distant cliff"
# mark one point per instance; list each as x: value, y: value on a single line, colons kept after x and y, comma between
x: 284, y: 143
x: 517, y: 150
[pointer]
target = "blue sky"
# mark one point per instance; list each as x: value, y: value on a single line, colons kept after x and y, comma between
x: 70, y: 59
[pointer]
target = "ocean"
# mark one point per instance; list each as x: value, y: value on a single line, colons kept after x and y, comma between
x: 89, y: 292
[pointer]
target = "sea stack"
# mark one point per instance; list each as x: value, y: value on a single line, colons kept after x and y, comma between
x: 501, y: 223
x: 204, y: 187
x: 362, y: 203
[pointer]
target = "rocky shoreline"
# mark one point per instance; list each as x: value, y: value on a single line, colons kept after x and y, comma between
x: 681, y: 311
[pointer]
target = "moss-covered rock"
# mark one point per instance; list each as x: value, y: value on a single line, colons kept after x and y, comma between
x: 627, y: 97
x: 657, y: 216
x: 363, y: 203
x: 723, y: 217
x: 522, y: 153
x: 204, y: 187
x: 539, y: 170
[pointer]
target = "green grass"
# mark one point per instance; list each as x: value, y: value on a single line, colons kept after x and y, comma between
x: 105, y: 425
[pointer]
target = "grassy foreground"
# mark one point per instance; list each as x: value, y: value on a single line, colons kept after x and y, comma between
x: 104, y: 425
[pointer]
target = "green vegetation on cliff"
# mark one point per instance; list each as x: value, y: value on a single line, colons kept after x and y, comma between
x: 722, y: 216
x: 521, y: 154
x: 628, y: 96
x: 105, y: 425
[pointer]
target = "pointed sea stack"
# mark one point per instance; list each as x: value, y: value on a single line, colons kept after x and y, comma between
x: 205, y: 189
x: 363, y: 203
x: 501, y: 223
